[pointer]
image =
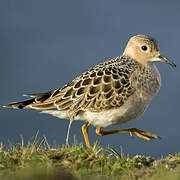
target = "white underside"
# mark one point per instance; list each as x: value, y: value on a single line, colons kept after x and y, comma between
x: 130, y: 110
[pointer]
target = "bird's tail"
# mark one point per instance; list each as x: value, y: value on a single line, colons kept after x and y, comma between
x: 26, y: 104
x: 20, y: 104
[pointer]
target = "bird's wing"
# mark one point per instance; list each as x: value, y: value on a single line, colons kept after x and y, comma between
x: 104, y: 86
x: 107, y: 85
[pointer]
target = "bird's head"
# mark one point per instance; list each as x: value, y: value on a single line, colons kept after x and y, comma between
x: 144, y: 49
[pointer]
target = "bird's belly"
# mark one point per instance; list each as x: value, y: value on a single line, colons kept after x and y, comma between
x: 130, y: 110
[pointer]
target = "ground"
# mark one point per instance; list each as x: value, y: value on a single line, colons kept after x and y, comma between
x: 38, y: 160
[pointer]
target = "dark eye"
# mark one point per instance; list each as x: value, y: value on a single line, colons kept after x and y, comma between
x: 144, y: 48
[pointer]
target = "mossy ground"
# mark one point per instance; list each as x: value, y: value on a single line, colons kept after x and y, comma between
x: 37, y: 160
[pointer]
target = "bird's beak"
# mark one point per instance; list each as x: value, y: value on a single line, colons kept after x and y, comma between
x: 166, y: 60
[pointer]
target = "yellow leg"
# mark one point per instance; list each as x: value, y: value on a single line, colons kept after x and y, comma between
x: 85, y: 134
x: 142, y: 134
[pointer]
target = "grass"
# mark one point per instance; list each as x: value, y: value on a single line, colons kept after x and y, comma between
x: 37, y: 160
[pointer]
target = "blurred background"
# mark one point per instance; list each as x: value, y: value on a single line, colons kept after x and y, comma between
x: 45, y: 44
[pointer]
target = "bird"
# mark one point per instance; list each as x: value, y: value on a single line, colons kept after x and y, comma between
x: 110, y: 93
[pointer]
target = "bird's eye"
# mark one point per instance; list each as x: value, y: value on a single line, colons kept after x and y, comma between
x: 144, y: 48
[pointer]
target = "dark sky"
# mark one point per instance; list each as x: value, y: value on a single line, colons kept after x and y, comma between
x: 45, y: 44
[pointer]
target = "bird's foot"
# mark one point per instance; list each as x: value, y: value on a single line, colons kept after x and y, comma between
x: 142, y: 134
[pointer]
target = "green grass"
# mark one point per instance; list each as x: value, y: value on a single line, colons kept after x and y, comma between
x: 37, y: 160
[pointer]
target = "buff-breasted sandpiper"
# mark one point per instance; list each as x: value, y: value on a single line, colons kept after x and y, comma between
x: 110, y: 93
